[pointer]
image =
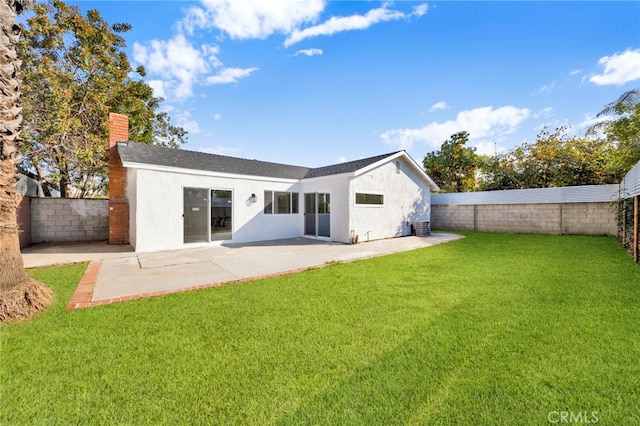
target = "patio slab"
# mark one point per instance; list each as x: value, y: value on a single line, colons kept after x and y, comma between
x: 124, y: 275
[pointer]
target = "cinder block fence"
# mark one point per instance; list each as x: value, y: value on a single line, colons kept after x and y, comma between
x: 582, y: 210
x: 59, y: 220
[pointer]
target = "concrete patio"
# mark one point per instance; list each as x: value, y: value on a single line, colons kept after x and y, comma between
x: 116, y: 273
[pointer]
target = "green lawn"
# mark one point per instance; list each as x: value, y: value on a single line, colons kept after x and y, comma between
x: 491, y: 329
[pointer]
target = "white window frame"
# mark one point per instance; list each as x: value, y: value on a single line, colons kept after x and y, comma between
x: 357, y: 204
x: 274, y: 204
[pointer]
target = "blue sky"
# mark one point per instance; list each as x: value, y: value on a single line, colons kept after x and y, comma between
x: 319, y: 82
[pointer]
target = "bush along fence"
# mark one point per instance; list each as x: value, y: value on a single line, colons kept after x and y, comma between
x: 629, y: 212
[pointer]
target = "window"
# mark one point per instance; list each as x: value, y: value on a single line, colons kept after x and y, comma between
x: 370, y: 199
x: 268, y: 202
x: 283, y: 202
x: 278, y: 202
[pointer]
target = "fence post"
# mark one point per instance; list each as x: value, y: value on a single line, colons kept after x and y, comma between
x: 636, y: 219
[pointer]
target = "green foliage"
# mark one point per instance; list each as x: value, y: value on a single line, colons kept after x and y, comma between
x: 491, y: 329
x: 74, y: 73
x: 624, y: 131
x: 607, y: 152
x: 554, y: 160
x: 454, y: 167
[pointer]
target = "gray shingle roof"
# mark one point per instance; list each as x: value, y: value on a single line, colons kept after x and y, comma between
x: 156, y: 155
x: 348, y: 167
x: 150, y: 154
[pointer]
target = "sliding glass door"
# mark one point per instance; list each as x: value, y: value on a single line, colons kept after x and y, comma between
x: 208, y: 214
x: 196, y: 215
x: 317, y: 214
x: 221, y: 214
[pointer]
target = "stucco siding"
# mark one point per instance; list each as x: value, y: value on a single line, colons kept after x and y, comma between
x: 337, y: 187
x: 159, y: 208
x: 406, y: 200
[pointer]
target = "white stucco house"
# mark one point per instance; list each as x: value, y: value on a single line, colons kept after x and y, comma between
x: 177, y: 198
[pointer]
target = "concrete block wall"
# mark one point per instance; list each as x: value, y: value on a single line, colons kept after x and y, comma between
x: 58, y: 220
x: 592, y: 218
x: 459, y: 217
x: 519, y: 218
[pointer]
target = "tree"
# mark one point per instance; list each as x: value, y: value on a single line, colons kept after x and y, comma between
x: 454, y: 167
x: 621, y: 125
x: 20, y: 296
x: 553, y: 160
x: 75, y: 72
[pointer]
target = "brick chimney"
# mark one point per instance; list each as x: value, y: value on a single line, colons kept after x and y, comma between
x: 118, y: 203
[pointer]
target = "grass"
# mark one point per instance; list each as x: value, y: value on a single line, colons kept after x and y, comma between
x: 491, y: 329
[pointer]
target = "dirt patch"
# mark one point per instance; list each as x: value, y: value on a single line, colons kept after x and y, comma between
x: 27, y: 299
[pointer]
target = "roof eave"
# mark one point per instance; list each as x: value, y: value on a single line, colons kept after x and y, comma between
x: 161, y: 168
x: 432, y: 185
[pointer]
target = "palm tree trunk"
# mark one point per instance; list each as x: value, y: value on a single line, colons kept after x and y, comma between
x: 20, y: 296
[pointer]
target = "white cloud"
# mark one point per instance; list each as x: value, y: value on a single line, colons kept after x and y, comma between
x: 479, y: 122
x: 184, y: 120
x: 176, y: 62
x: 575, y: 72
x: 420, y: 10
x: 488, y: 148
x: 230, y: 75
x: 217, y: 117
x: 591, y: 120
x: 544, y: 112
x: 438, y: 106
x: 620, y: 68
x: 348, y: 23
x: 309, y: 52
x: 252, y: 18
x: 548, y: 88
x: 341, y: 159
x: 158, y: 88
x: 180, y: 65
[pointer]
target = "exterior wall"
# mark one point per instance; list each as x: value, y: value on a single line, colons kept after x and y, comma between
x: 594, y: 218
x: 156, y: 205
x: 406, y: 200
x: 156, y: 208
x: 337, y: 188
x: 56, y: 220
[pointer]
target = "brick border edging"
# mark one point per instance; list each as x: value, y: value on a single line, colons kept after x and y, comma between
x: 84, y: 292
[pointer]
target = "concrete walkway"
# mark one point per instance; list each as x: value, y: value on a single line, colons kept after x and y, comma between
x: 115, y: 276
